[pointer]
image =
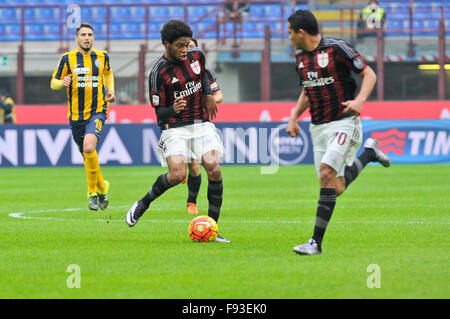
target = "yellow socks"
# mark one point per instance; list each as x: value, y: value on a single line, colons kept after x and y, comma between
x: 100, y: 180
x: 92, y: 170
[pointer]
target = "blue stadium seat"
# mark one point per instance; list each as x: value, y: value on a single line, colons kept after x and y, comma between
x: 99, y: 30
x: 422, y: 15
x: 177, y: 12
x: 35, y: 1
x: 197, y: 11
x: 120, y: 12
x: 100, y: 12
x: 253, y: 34
x: 86, y: 12
x: 257, y: 10
x: 30, y: 13
x: 395, y: 24
x: 133, y: 27
x: 273, y: 11
x: 432, y: 24
x: 155, y: 26
x: 14, y: 28
x: 115, y: 27
x: 34, y: 31
x: 154, y: 33
x: 138, y: 12
x: 47, y: 13
x: 52, y: 32
x: 158, y: 11
x: 67, y: 2
x: 133, y: 30
x: 9, y: 13
x: 417, y: 24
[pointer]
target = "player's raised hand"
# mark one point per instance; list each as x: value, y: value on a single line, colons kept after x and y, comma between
x: 67, y: 80
x: 211, y: 107
x: 293, y: 129
x: 353, y: 107
x: 110, y: 97
x: 179, y: 104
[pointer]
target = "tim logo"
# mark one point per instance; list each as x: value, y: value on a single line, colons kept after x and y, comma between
x: 391, y: 141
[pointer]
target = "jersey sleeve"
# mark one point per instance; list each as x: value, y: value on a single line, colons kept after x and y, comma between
x: 157, y: 90
x: 212, y: 79
x: 62, y: 69
x: 107, y: 64
x: 350, y: 56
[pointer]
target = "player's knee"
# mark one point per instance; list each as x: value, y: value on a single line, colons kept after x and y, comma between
x: 177, y: 176
x: 327, y: 174
x: 214, y: 173
x: 88, y: 148
x: 194, y: 169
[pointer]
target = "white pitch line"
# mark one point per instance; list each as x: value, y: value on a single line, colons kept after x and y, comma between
x: 21, y: 215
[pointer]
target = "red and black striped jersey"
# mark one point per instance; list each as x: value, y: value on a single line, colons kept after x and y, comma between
x: 325, y: 74
x: 212, y: 80
x: 169, y: 81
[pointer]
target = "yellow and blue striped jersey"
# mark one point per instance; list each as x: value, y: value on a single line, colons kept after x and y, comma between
x: 87, y: 92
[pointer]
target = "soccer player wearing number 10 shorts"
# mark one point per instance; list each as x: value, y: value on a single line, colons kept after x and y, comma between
x: 324, y: 66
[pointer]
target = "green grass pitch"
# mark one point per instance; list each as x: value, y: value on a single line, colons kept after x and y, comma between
x: 395, y: 218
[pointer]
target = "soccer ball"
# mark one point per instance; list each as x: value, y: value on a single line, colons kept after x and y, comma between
x: 203, y: 228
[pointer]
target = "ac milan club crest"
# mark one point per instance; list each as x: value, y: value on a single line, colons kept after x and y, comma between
x: 322, y: 59
x: 195, y: 66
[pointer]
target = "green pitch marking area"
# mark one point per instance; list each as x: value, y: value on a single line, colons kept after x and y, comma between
x: 388, y: 236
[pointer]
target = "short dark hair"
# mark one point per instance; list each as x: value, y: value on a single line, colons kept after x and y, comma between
x: 85, y: 25
x: 195, y: 41
x: 304, y: 19
x: 175, y: 29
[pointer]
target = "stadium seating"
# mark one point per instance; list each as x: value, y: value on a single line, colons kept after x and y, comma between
x: 128, y: 22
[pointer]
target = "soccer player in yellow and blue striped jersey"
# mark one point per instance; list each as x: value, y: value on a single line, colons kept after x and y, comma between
x: 87, y: 75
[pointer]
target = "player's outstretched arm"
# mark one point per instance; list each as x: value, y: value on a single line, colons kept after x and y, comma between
x: 293, y: 129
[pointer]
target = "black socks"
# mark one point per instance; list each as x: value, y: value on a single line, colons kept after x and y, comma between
x: 215, y: 192
x: 159, y: 187
x: 351, y: 172
x: 193, y: 184
x: 325, y: 207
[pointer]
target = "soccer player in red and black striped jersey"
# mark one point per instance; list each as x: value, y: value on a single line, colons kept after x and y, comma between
x: 324, y: 66
x: 181, y: 95
x: 194, y: 178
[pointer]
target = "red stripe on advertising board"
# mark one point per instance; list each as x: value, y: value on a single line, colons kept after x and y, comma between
x: 239, y: 112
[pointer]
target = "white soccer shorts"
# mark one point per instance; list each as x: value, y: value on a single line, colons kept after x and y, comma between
x: 336, y: 143
x: 191, y: 141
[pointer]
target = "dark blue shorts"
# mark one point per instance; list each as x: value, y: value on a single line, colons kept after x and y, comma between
x: 93, y: 125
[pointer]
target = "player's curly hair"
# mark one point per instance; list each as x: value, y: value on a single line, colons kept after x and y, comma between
x: 175, y: 29
x: 304, y: 19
